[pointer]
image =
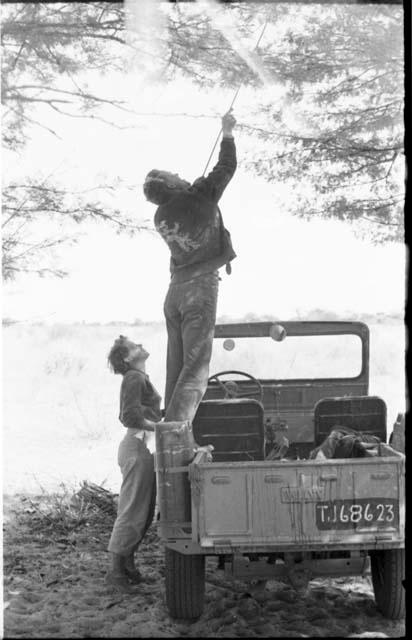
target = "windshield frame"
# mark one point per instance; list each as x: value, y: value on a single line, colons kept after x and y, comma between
x: 304, y: 328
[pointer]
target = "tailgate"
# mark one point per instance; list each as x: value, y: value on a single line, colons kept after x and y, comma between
x: 350, y: 503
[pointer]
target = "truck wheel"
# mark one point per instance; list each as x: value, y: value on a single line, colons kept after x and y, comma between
x: 185, y: 584
x: 388, y: 574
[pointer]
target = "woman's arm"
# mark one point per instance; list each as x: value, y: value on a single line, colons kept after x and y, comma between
x: 148, y: 425
x: 131, y: 410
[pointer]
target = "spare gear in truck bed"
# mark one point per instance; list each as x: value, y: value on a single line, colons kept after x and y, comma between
x: 343, y: 442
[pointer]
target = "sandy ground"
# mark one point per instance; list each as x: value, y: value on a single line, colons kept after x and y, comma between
x: 53, y: 588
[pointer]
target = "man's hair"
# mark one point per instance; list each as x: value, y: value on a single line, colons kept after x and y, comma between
x: 156, y: 190
x: 159, y: 186
x: 155, y: 173
x: 117, y: 355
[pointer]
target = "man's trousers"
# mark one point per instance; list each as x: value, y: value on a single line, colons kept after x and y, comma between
x: 190, y: 312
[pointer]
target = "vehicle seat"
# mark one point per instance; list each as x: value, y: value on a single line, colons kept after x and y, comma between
x: 361, y: 413
x: 233, y: 426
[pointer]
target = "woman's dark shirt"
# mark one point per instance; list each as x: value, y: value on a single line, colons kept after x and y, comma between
x: 139, y: 400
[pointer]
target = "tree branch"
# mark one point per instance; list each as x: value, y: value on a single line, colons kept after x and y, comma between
x: 39, y: 124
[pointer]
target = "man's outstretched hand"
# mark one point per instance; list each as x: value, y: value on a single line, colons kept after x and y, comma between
x: 228, y: 123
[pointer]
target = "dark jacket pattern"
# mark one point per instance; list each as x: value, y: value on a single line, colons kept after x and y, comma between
x: 191, y: 223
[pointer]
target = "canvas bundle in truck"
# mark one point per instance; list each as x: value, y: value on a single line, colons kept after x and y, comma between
x: 261, y: 502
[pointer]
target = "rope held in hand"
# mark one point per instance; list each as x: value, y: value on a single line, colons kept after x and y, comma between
x: 233, y: 101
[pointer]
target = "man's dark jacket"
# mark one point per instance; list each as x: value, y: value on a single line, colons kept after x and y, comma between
x: 191, y: 224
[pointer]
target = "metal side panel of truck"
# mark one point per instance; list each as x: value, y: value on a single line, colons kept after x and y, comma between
x: 305, y: 506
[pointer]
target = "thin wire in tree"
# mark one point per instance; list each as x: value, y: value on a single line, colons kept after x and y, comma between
x: 233, y: 101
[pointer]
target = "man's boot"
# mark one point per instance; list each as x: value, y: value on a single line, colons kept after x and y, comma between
x: 117, y: 576
x: 132, y: 571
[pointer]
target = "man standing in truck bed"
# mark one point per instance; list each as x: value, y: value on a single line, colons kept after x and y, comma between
x: 189, y: 220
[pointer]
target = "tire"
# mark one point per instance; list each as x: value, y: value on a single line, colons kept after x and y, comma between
x: 388, y: 574
x: 185, y: 584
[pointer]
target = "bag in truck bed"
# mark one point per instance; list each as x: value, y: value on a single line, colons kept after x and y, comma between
x: 343, y: 442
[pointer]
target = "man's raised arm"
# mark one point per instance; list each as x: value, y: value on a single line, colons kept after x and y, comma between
x: 213, y: 185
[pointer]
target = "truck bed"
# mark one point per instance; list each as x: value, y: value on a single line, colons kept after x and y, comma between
x: 305, y: 504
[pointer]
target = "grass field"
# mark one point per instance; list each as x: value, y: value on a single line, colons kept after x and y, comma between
x: 61, y: 401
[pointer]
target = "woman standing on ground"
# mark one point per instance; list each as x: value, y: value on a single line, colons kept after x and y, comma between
x: 139, y: 411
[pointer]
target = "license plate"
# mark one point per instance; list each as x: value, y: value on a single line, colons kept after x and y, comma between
x: 351, y: 514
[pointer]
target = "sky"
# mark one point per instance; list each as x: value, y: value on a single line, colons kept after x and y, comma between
x: 284, y: 265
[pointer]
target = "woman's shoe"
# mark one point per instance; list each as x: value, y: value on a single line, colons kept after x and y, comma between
x: 119, y: 582
x: 131, y: 570
x: 134, y: 576
x: 117, y: 576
